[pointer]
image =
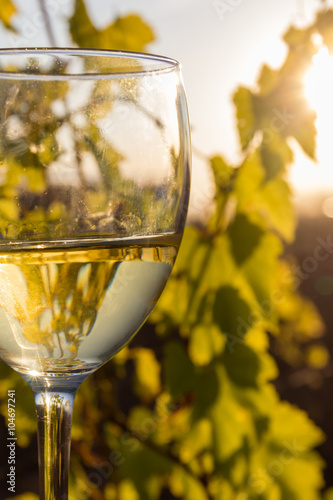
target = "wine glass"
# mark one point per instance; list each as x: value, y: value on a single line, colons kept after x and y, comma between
x: 94, y: 188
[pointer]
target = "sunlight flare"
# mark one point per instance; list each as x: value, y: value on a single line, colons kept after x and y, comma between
x: 306, y: 177
x: 318, y: 83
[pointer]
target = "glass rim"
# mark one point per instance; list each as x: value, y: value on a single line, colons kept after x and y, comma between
x: 159, y: 64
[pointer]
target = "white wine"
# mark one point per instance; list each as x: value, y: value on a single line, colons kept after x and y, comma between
x: 70, y: 308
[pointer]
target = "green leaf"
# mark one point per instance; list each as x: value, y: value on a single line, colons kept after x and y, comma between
x: 302, y: 478
x: 243, y: 365
x: 275, y: 156
x: 8, y: 209
x: 206, y: 342
x: 304, y: 130
x: 145, y: 467
x: 244, y: 237
x: 126, y: 33
x: 275, y: 198
x: 233, y: 314
x: 83, y: 32
x: 246, y: 121
x: 172, y: 305
x: 184, y: 486
x: 290, y: 462
x: 199, y: 438
x: 267, y: 80
x: 191, y: 240
x: 179, y: 372
x: 231, y: 421
x: 207, y: 390
x: 250, y: 178
x: 260, y: 199
x: 222, y: 172
x: 260, y: 271
x: 293, y: 427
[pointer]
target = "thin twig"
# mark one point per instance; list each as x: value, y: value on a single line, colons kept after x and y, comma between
x: 166, y: 453
x: 48, y: 25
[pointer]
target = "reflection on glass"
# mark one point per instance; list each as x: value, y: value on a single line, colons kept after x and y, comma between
x: 94, y: 187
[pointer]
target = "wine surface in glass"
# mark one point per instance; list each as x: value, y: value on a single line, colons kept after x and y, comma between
x: 68, y: 309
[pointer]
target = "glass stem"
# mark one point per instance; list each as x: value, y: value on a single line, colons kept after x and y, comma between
x: 54, y: 419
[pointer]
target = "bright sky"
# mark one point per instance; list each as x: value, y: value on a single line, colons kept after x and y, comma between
x: 220, y: 43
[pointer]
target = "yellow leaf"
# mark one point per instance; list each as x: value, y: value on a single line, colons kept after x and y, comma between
x: 324, y: 24
x: 184, y: 486
x: 246, y: 120
x: 147, y: 380
x: 110, y: 492
x: 127, y: 491
x: 7, y: 11
x: 206, y: 342
x: 126, y: 33
x: 8, y: 209
x: 82, y: 30
x: 317, y: 356
x: 197, y: 440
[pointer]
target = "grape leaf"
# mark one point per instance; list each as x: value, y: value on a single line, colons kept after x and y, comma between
x: 179, y: 372
x: 233, y: 314
x: 261, y: 199
x: 267, y: 80
x: 127, y: 491
x: 293, y: 426
x: 7, y: 11
x: 324, y: 26
x: 206, y: 342
x: 198, y: 438
x: 147, y: 374
x: 126, y: 33
x: 145, y: 466
x: 276, y: 201
x: 222, y: 172
x: 244, y: 237
x: 246, y: 121
x: 243, y: 365
x: 230, y: 421
x: 261, y: 268
x: 296, y: 37
x: 183, y: 486
x: 275, y: 156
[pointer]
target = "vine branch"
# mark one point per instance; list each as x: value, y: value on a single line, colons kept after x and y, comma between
x: 48, y: 25
x: 165, y: 453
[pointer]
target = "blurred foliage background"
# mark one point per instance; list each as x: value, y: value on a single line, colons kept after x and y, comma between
x: 190, y: 409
